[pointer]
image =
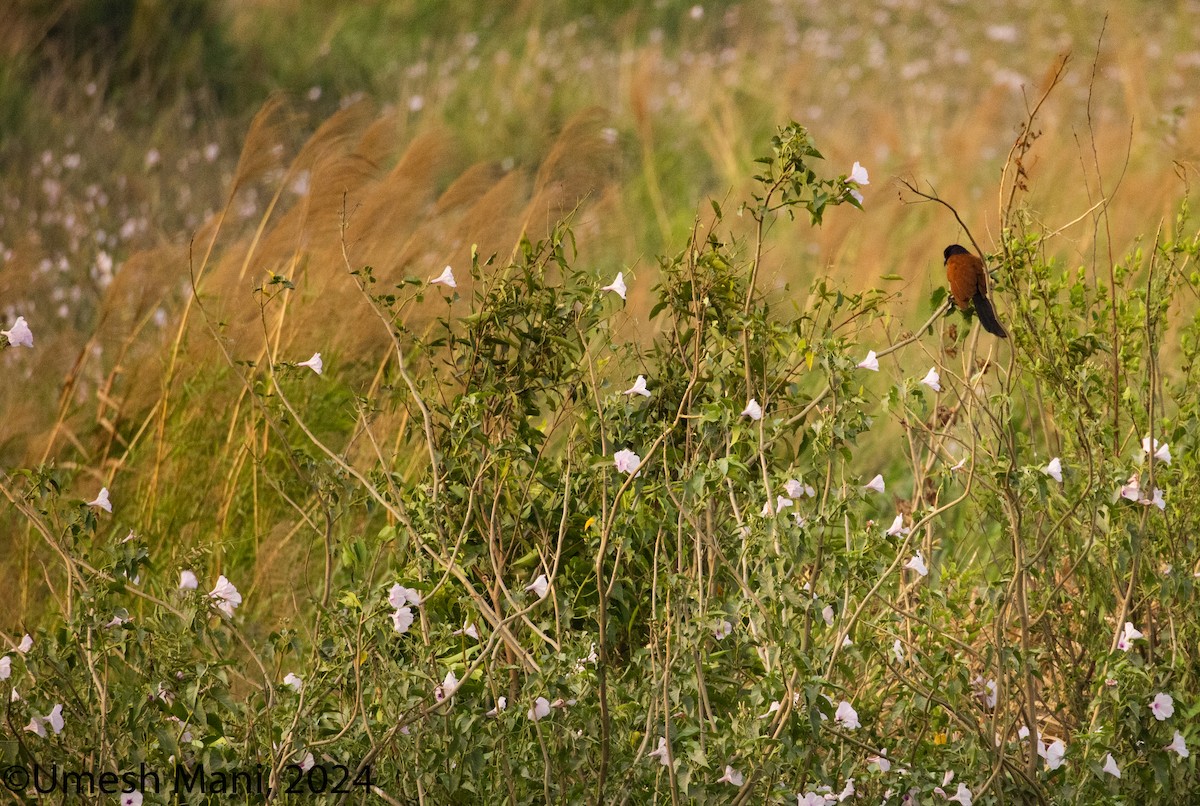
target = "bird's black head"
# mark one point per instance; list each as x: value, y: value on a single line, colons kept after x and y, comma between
x: 953, y: 249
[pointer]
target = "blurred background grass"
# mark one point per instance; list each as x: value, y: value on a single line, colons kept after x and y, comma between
x: 122, y: 121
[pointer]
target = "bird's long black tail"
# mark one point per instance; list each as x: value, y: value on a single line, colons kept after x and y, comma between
x: 987, y: 316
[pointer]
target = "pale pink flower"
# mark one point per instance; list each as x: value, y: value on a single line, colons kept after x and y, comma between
x: 1162, y: 706
x: 447, y: 688
x: 188, y: 581
x: 871, y: 362
x: 846, y: 716
x: 26, y: 644
x: 540, y: 709
x: 617, y: 286
x: 626, y: 461
x: 933, y: 380
x: 1128, y: 636
x: 638, y: 388
x: 1110, y: 766
x: 898, y: 528
x: 722, y: 630
x: 1054, y: 469
x: 314, y: 363
x: 446, y: 278
x: 402, y: 619
x: 1178, y: 745
x: 876, y: 484
x: 917, y: 563
x: 662, y: 752
x: 858, y: 175
x: 753, y: 410
x: 133, y: 798
x: 1053, y: 753
x: 501, y: 705
x: 732, y: 777
x: 19, y: 335
x: 293, y: 681
x: 400, y: 596
x: 1162, y: 451
x: 101, y: 501
x: 226, y: 596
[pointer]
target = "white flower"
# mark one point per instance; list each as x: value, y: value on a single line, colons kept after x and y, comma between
x: 468, y: 630
x: 1157, y: 500
x: 722, y: 630
x: 133, y: 798
x: 858, y: 175
x: 1128, y: 636
x: 293, y: 680
x: 501, y: 704
x: 963, y: 795
x: 101, y: 501
x: 447, y: 688
x: 857, y: 196
x: 846, y: 716
x: 626, y: 461
x: 638, y: 388
x: 36, y: 726
x: 26, y: 644
x: 1110, y: 766
x: 752, y: 410
x: 617, y: 285
x: 827, y: 614
x: 308, y: 762
x: 188, y: 581
x: 402, y: 619
x: 315, y: 363
x: 226, y: 595
x: 540, y: 586
x: 540, y: 708
x: 775, y: 706
x: 933, y: 380
x: 810, y: 799
x: 897, y: 528
x: 875, y: 484
x: 732, y: 777
x: 1053, y: 753
x: 989, y: 696
x: 898, y: 650
x: 1131, y: 491
x: 798, y: 489
x: 115, y: 621
x: 870, y: 362
x: 400, y: 596
x: 19, y: 335
x: 1178, y: 745
x: 55, y: 719
x: 880, y: 761
x: 1162, y: 451
x: 446, y: 278
x: 5, y: 667
x: 662, y: 752
x: 1054, y: 469
x: 1162, y: 706
x: 917, y: 563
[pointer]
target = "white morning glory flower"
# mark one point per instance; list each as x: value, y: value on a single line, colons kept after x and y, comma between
x: 468, y: 630
x: 617, y: 285
x: 875, y: 484
x: 55, y: 719
x: 933, y: 380
x: 1162, y: 706
x: 1110, y: 766
x: 1131, y: 490
x: 897, y: 528
x: 1178, y: 745
x: 963, y: 795
x: 446, y: 278
x: 188, y: 581
x: 5, y: 667
x: 752, y: 410
x: 638, y: 388
x: 402, y: 619
x: 722, y: 630
x: 447, y: 688
x: 36, y: 726
x: 1162, y: 451
x: 292, y: 680
x: 880, y: 762
x: 917, y: 563
x: 400, y: 596
x: 133, y: 798
x: 501, y: 704
x: 1128, y: 636
x: 19, y: 335
x: 870, y: 362
x: 314, y: 363
x: 308, y: 762
x: 810, y: 799
x: 101, y: 501
x: 626, y: 461
x: 26, y: 644
x: 732, y: 777
x: 539, y: 710
x: 898, y: 651
x: 1053, y: 753
x: 662, y: 752
x: 1054, y: 469
x: 846, y: 716
x: 226, y: 596
x: 858, y: 175
x: 540, y: 586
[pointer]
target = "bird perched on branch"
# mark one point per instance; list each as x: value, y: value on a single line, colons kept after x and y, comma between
x: 968, y: 283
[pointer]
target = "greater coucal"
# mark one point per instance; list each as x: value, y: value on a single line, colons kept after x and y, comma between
x: 968, y: 283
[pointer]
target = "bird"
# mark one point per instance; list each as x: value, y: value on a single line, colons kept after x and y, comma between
x: 968, y: 283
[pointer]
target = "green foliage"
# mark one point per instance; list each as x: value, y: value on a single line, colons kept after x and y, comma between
x: 729, y: 601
